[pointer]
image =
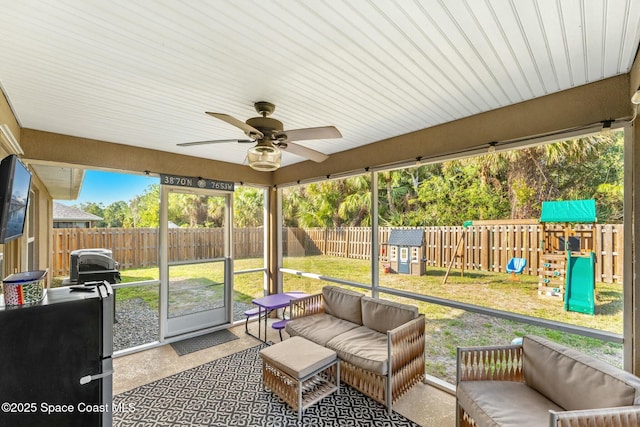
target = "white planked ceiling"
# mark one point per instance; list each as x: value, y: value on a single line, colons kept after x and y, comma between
x: 143, y: 73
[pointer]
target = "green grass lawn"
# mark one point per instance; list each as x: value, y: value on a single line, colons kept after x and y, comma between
x: 246, y: 286
x: 483, y: 288
x: 447, y: 328
x: 486, y: 289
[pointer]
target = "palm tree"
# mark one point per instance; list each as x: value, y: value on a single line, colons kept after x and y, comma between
x: 551, y: 171
x: 248, y: 207
x: 510, y: 184
x: 355, y: 207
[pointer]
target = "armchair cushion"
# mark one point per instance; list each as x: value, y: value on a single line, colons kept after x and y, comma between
x: 574, y: 380
x: 505, y: 403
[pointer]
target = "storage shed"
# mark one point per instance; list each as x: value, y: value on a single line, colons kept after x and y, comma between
x: 407, y: 252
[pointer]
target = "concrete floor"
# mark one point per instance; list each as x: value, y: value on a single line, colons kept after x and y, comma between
x: 423, y: 404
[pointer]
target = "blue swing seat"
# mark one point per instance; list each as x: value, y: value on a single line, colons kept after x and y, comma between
x: 516, y: 266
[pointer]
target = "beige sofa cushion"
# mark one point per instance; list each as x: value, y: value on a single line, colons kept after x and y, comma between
x: 342, y: 303
x: 575, y: 380
x: 382, y: 315
x: 504, y: 403
x: 297, y: 356
x: 319, y: 328
x: 362, y: 347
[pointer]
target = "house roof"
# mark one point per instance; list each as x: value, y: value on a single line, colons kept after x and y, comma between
x: 144, y: 76
x: 406, y: 237
x: 63, y: 212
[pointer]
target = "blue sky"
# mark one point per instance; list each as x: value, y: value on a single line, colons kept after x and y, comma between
x: 109, y: 187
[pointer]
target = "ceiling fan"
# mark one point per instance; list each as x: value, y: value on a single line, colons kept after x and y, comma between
x: 270, y: 138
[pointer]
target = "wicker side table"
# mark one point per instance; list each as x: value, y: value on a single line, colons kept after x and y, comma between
x: 300, y: 372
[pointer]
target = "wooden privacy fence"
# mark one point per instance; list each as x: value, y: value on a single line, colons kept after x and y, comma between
x: 139, y: 247
x: 482, y: 247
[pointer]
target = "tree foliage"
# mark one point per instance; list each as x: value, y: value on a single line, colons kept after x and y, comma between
x: 248, y: 207
x: 94, y: 209
x: 185, y: 210
x: 116, y: 214
x: 505, y: 185
x: 145, y: 208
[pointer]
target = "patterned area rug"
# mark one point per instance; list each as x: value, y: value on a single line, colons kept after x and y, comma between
x: 228, y: 392
x: 203, y: 341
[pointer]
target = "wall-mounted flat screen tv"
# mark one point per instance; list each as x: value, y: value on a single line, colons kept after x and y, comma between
x: 15, y: 181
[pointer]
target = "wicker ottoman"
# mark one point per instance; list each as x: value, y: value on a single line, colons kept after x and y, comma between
x: 300, y: 372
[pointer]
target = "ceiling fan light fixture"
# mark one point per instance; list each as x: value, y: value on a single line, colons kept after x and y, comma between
x: 264, y: 158
x: 271, y: 138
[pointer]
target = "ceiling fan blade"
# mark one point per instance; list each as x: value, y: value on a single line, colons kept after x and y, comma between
x: 325, y: 132
x: 305, y: 152
x: 247, y: 129
x: 217, y: 141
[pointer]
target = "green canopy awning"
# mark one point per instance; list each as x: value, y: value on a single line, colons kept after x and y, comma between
x: 569, y: 211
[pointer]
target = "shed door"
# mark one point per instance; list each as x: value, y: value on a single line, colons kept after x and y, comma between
x: 404, y: 260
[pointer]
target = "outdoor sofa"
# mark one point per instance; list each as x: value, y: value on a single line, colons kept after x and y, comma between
x: 541, y: 383
x: 380, y: 343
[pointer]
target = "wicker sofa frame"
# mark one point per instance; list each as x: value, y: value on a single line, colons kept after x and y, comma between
x: 505, y: 363
x: 405, y: 356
